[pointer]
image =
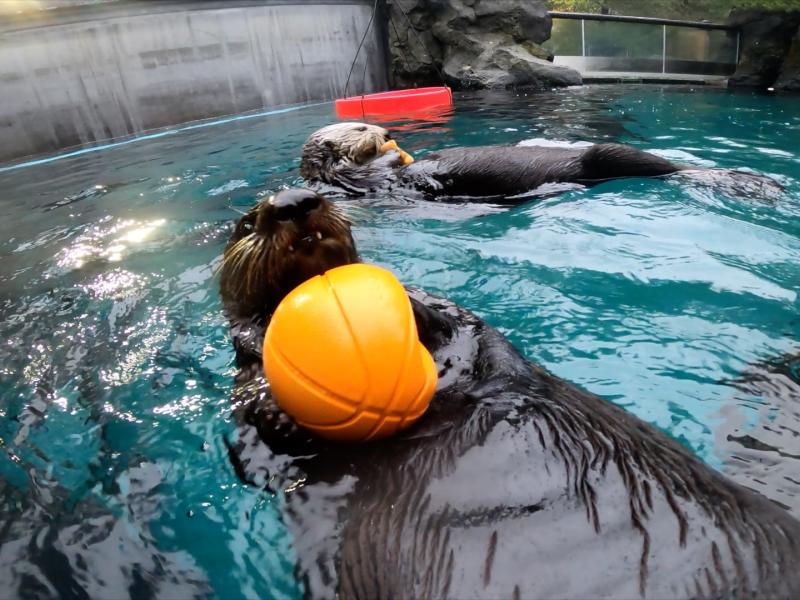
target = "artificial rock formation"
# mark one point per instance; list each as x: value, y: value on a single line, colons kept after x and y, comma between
x: 789, y: 77
x: 768, y: 56
x: 473, y: 44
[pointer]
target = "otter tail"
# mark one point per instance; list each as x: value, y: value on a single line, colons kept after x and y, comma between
x: 611, y: 161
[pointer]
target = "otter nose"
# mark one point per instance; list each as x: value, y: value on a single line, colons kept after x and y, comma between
x: 294, y: 205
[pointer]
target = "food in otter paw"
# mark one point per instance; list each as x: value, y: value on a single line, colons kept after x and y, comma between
x: 406, y: 158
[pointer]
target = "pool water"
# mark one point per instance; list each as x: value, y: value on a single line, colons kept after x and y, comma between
x: 670, y: 298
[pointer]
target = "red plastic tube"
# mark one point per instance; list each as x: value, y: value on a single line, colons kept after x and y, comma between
x: 396, y: 103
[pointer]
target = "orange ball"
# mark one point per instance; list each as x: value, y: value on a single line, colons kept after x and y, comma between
x: 343, y: 357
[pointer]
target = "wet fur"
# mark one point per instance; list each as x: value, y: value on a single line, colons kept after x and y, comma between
x: 344, y: 157
x: 514, y: 484
x: 511, y: 170
x: 258, y: 267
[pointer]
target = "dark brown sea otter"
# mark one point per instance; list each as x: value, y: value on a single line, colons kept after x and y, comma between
x: 352, y: 158
x: 515, y: 483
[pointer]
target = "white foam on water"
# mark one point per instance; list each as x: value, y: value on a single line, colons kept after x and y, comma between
x: 544, y: 143
x: 233, y: 184
x: 775, y: 152
x: 682, y: 156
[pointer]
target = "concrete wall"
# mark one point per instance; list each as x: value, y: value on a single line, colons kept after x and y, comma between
x: 81, y: 76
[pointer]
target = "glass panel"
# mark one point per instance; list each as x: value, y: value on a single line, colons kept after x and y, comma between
x: 638, y: 47
x: 707, y: 52
x: 620, y: 46
x: 565, y: 38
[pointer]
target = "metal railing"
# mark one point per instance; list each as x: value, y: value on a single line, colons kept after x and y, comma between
x: 597, y: 43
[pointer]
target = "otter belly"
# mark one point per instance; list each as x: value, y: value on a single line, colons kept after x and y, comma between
x: 510, y: 170
x: 506, y: 520
x: 506, y: 499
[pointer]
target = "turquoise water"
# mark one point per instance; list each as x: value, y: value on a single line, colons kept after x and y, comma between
x: 115, y: 367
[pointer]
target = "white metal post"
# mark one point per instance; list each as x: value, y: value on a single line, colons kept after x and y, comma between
x: 583, y: 38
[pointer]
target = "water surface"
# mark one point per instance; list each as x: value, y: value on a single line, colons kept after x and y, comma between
x: 669, y: 298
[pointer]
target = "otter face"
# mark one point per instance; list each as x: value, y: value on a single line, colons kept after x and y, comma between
x: 281, y: 242
x: 340, y: 144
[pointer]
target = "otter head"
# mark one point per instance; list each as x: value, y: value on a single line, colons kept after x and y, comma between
x: 338, y: 145
x: 281, y: 242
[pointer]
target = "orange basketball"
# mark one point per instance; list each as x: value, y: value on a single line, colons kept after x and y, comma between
x: 343, y: 356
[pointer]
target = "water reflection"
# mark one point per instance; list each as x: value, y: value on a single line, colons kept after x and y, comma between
x: 106, y: 243
x: 434, y: 119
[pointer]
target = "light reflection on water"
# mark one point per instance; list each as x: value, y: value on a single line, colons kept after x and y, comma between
x: 667, y: 297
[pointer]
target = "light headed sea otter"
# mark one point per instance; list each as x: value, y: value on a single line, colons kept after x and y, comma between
x: 353, y: 158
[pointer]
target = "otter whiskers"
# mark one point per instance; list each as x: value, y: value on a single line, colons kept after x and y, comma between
x: 237, y: 262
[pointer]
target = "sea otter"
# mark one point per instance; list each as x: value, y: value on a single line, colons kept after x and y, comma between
x: 514, y: 484
x: 355, y: 158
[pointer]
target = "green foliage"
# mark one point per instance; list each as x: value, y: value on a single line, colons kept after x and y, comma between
x: 671, y: 9
x: 589, y: 6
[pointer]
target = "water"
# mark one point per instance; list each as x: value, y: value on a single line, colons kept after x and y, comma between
x: 668, y: 298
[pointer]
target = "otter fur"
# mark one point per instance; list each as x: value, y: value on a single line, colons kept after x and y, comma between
x: 347, y: 158
x: 514, y: 484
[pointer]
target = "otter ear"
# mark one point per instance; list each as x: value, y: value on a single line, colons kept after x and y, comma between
x: 329, y: 151
x: 246, y: 225
x: 334, y: 156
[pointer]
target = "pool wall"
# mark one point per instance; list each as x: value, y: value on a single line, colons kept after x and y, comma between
x: 85, y: 74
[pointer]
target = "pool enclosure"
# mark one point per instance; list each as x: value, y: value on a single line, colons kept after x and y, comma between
x: 602, y: 43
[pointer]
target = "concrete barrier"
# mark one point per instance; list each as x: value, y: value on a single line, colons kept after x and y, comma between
x: 93, y: 73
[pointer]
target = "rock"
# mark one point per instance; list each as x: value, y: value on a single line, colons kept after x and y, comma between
x: 524, y: 21
x: 529, y: 70
x: 538, y: 51
x: 765, y: 42
x: 789, y: 77
x: 415, y: 54
x: 473, y: 44
x: 502, y: 65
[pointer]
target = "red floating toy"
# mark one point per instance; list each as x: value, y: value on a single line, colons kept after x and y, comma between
x: 396, y: 103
